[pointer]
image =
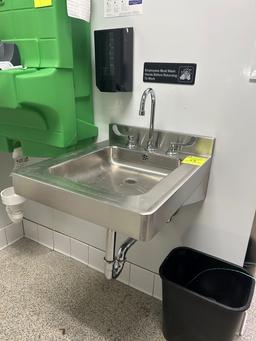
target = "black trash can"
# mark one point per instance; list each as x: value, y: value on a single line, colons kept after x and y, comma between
x: 204, y: 298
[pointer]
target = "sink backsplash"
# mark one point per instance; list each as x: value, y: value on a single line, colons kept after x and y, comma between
x: 186, y: 143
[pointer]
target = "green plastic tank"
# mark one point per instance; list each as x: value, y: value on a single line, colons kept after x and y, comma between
x: 46, y: 107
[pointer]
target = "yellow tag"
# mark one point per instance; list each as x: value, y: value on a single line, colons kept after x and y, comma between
x: 42, y: 3
x: 195, y: 160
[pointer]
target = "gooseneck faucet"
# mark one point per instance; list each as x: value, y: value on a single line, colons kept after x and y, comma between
x: 151, y: 92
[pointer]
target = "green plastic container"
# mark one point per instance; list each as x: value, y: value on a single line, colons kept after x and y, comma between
x: 47, y: 106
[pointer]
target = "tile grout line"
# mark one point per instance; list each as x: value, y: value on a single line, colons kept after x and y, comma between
x: 88, y: 255
x: 22, y: 224
x: 53, y: 241
x: 69, y: 242
x: 32, y: 221
x: 37, y: 233
x: 6, y: 235
x: 129, y: 277
x: 154, y: 283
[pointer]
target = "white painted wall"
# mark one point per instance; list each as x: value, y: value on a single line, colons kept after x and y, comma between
x: 6, y: 165
x: 220, y: 37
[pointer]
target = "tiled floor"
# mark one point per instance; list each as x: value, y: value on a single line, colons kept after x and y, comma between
x: 44, y: 295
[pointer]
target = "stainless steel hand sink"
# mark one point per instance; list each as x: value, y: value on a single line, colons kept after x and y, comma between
x: 115, y: 170
x: 133, y: 191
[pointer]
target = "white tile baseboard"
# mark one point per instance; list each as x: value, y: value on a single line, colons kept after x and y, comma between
x: 141, y: 279
x: 96, y: 259
x: 157, y: 293
x: 79, y: 251
x: 14, y: 232
x: 10, y: 234
x: 45, y: 236
x: 30, y: 230
x: 3, y: 239
x: 62, y: 243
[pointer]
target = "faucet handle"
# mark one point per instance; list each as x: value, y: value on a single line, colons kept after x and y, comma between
x: 131, y: 142
x: 173, y: 149
x: 151, y: 146
x: 176, y: 147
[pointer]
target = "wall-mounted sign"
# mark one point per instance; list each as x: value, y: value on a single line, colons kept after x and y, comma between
x: 79, y: 9
x: 170, y: 73
x: 122, y: 8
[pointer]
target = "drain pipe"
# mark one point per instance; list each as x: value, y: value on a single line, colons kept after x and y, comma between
x: 110, y: 253
x: 114, y: 264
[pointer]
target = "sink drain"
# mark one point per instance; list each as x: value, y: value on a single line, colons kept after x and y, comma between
x: 130, y: 181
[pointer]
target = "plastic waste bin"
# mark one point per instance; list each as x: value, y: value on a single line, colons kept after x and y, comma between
x: 204, y: 298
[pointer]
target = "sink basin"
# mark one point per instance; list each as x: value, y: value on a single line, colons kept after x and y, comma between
x: 132, y: 191
x: 115, y: 170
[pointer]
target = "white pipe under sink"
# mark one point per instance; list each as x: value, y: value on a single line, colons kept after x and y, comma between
x: 13, y: 204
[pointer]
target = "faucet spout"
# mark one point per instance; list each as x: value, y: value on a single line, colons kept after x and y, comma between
x: 151, y: 92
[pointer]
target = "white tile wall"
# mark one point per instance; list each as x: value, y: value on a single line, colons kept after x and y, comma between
x: 30, y: 230
x: 3, y: 239
x: 142, y: 279
x: 150, y: 255
x: 79, y: 251
x: 14, y: 232
x: 157, y: 287
x: 79, y: 229
x: 45, y: 236
x: 132, y: 275
x: 125, y: 275
x: 96, y: 259
x: 61, y: 243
